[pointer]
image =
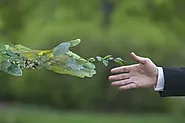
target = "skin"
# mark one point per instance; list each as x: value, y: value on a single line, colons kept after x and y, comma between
x: 144, y: 74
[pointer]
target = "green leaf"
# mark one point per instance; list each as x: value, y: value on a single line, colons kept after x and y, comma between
x: 91, y: 60
x: 106, y: 62
x: 99, y: 58
x: 72, y: 64
x: 11, y: 54
x: 29, y: 55
x: 74, y: 42
x: 61, y: 49
x: 107, y: 57
x: 7, y: 47
x: 43, y: 61
x: 119, y: 61
x: 111, y: 58
x: 22, y: 48
x: 11, y: 69
x: 14, y: 70
x: 59, y: 59
x: 5, y: 65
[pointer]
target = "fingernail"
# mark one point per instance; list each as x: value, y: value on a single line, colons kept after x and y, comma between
x: 109, y: 78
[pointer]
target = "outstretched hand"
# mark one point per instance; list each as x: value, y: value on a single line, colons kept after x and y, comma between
x: 141, y: 75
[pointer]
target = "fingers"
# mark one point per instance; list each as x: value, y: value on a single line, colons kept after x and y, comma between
x: 127, y: 87
x: 123, y: 69
x: 138, y: 58
x: 119, y: 77
x: 125, y: 84
x: 122, y: 82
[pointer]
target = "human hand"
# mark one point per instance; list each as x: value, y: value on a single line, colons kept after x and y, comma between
x: 141, y: 75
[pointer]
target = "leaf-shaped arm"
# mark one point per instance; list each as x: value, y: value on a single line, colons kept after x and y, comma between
x: 14, y: 59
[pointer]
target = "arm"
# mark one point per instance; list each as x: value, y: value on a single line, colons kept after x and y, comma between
x: 160, y: 80
x: 168, y: 81
x: 171, y: 82
x: 174, y: 84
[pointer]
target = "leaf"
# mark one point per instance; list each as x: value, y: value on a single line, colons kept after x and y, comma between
x: 99, y: 58
x: 59, y: 59
x: 91, y: 60
x: 107, y: 57
x: 47, y: 52
x: 44, y: 62
x: 74, y: 42
x: 81, y: 60
x: 29, y: 55
x: 119, y: 61
x: 14, y: 70
x: 11, y: 69
x: 106, y: 62
x: 5, y: 65
x: 111, y: 58
x: 7, y: 47
x: 72, y: 64
x: 61, y: 49
x: 11, y: 54
x: 22, y: 48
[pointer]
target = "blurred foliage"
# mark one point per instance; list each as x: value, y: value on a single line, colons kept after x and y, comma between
x: 39, y: 115
x: 151, y: 28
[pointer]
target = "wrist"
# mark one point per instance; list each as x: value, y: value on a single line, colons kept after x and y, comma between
x: 155, y: 78
x: 160, y: 80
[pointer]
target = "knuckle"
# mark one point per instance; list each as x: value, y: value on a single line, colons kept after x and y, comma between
x: 119, y: 83
x: 126, y: 82
x: 147, y: 59
x: 122, y: 83
x: 122, y: 69
x: 118, y: 77
x: 124, y: 76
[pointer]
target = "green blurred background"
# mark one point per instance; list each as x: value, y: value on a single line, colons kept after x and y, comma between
x: 150, y: 28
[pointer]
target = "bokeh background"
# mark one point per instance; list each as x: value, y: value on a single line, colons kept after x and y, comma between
x: 151, y: 28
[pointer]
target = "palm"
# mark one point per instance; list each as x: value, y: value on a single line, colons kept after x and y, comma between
x: 142, y: 75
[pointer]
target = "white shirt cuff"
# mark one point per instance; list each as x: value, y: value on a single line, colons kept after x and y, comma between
x: 160, y: 81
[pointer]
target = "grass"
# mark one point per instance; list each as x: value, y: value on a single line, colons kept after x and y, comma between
x: 35, y: 115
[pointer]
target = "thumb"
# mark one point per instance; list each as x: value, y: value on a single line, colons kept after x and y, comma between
x: 138, y: 59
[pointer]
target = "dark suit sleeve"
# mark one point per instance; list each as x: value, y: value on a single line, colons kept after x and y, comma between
x: 174, y: 82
